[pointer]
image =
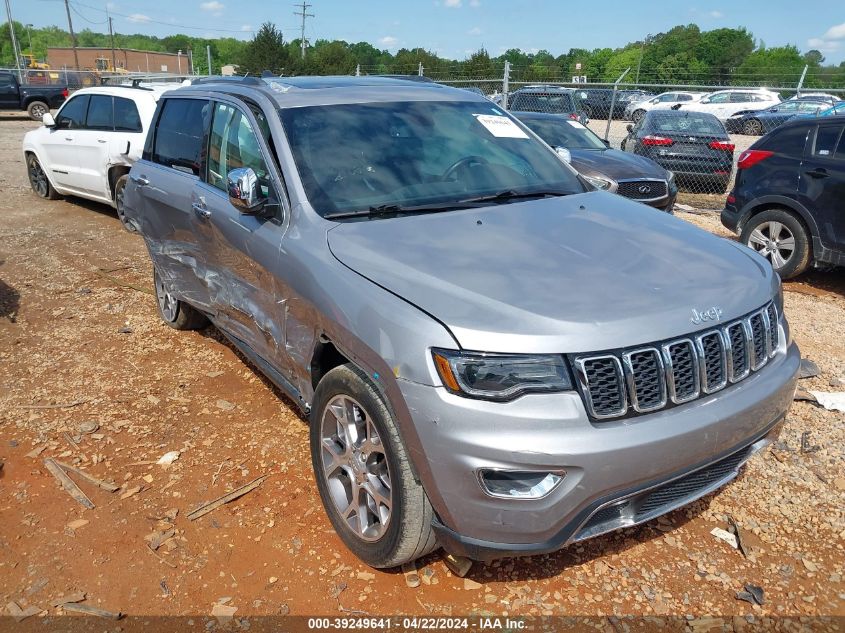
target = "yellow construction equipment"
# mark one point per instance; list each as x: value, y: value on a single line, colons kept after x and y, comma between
x: 29, y: 61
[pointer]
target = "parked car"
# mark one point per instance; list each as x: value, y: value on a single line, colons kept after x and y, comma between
x: 788, y: 202
x: 758, y: 122
x: 34, y: 100
x: 88, y: 148
x: 489, y: 358
x: 596, y: 102
x: 549, y: 99
x: 634, y: 177
x: 816, y: 96
x: 723, y: 104
x: 636, y: 110
x: 693, y: 145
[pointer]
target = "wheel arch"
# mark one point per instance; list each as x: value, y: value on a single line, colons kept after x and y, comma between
x: 115, y: 172
x: 766, y: 203
x: 29, y: 151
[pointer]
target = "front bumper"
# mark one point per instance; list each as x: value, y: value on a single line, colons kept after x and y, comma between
x: 604, y: 462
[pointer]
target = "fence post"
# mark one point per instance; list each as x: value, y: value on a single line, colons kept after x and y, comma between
x: 613, y: 103
x: 801, y: 81
x: 420, y: 70
x: 506, y: 85
x: 208, y: 55
x: 358, y: 70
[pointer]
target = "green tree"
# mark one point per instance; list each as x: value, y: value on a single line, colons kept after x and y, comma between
x: 266, y: 51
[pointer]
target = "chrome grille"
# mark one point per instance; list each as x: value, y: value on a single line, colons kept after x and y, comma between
x: 642, y: 189
x: 648, y: 378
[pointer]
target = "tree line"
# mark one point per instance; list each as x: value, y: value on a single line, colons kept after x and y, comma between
x: 683, y: 55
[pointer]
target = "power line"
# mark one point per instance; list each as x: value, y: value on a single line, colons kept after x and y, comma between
x: 303, y: 14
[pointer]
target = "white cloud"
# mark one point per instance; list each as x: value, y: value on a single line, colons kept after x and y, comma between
x: 139, y: 18
x: 388, y: 41
x: 110, y: 6
x: 246, y: 27
x: 716, y: 14
x: 475, y: 3
x: 212, y: 7
x: 474, y: 31
x: 452, y: 4
x: 835, y: 32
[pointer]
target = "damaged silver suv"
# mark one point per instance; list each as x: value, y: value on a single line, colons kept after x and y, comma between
x: 493, y: 357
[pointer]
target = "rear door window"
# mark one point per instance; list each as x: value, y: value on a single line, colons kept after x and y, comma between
x: 72, y: 115
x: 100, y: 113
x: 179, y: 134
x: 827, y: 139
x: 126, y: 117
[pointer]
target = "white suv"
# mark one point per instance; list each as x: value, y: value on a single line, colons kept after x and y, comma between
x: 664, y: 101
x: 725, y: 103
x: 90, y: 145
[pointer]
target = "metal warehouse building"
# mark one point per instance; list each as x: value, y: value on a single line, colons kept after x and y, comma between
x: 131, y: 59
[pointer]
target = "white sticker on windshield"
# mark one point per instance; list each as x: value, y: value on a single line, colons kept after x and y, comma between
x: 500, y: 126
x: 576, y: 124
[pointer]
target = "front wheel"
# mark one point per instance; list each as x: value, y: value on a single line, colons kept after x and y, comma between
x: 752, y: 127
x: 38, y: 179
x: 363, y: 472
x: 37, y: 109
x: 781, y: 238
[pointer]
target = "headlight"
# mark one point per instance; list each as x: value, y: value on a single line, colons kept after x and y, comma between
x: 500, y: 376
x: 671, y: 177
x: 598, y: 183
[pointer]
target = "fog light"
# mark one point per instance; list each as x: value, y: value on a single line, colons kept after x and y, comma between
x: 517, y: 484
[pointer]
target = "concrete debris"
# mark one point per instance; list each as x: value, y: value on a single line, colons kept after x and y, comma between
x: 89, y: 610
x: 727, y: 537
x: 458, y: 565
x: 168, y: 458
x: 808, y: 369
x: 830, y: 400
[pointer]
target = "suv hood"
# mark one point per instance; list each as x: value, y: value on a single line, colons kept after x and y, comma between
x: 586, y: 272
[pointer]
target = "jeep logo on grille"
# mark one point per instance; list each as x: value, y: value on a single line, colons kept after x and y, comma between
x: 644, y: 189
x: 711, y: 314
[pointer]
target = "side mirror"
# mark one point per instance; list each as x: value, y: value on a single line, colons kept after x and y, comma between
x: 629, y: 127
x: 564, y: 153
x: 606, y: 142
x: 48, y: 120
x: 244, y: 193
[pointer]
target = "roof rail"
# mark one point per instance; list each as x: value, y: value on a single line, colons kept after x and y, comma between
x: 219, y: 79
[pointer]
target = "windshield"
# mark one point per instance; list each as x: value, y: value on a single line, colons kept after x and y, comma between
x: 690, y: 123
x: 563, y: 133
x: 355, y: 157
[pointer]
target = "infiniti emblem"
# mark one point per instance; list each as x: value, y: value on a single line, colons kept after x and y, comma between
x: 711, y: 314
x: 644, y: 189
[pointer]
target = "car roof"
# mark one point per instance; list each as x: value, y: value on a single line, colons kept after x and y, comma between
x: 546, y: 89
x: 130, y: 92
x: 676, y: 114
x: 288, y: 92
x: 549, y: 116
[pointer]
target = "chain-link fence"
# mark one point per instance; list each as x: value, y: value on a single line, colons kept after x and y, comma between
x: 76, y: 79
x: 696, y: 133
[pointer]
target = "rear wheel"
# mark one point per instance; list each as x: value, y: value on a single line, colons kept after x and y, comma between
x: 363, y: 472
x: 638, y: 116
x: 752, y: 127
x: 781, y: 238
x: 177, y: 314
x: 38, y: 179
x: 119, y: 190
x: 37, y: 109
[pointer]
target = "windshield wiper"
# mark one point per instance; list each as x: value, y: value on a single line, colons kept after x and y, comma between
x: 383, y: 210
x: 504, y: 196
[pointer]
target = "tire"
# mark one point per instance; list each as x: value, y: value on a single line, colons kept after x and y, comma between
x: 752, y: 127
x: 787, y: 231
x: 175, y: 313
x: 119, y: 188
x: 637, y: 116
x: 37, y: 109
x: 396, y: 528
x: 38, y: 179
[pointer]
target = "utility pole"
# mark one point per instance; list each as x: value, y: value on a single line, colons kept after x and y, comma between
x: 111, y: 37
x: 303, y: 14
x: 72, y: 35
x: 14, y: 40
x: 208, y: 55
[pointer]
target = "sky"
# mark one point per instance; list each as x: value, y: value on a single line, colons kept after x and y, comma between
x: 456, y: 28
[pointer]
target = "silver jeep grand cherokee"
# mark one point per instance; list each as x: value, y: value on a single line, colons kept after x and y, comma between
x: 492, y: 356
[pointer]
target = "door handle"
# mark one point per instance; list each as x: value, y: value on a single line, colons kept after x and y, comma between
x: 102, y: 140
x: 68, y: 138
x: 201, y: 210
x: 141, y: 181
x: 818, y: 173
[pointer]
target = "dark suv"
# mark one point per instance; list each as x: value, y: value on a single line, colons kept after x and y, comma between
x: 598, y: 102
x: 788, y: 202
x: 550, y: 100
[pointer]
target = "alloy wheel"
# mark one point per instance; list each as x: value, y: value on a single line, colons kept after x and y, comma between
x: 774, y: 241
x: 355, y: 468
x: 167, y: 303
x: 37, y: 178
x: 37, y: 111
